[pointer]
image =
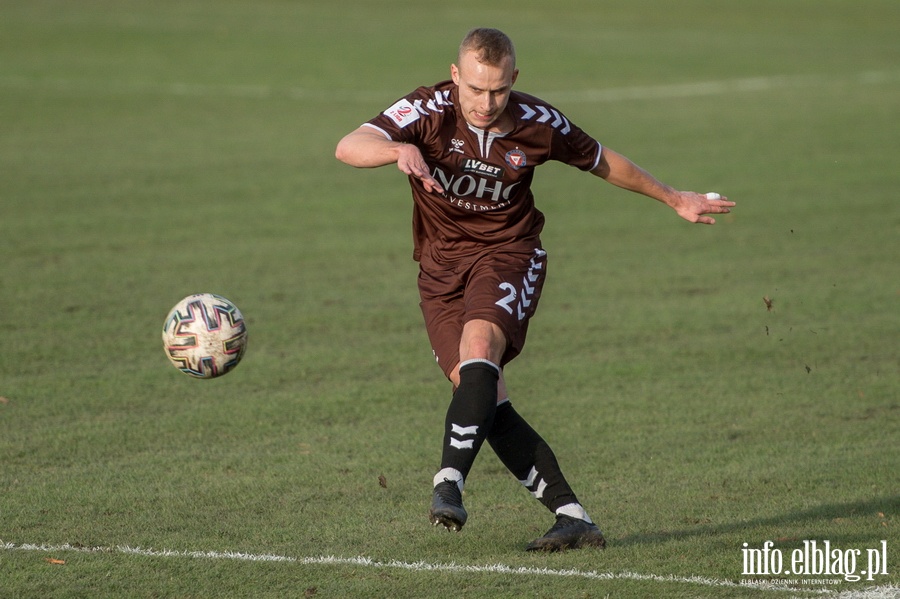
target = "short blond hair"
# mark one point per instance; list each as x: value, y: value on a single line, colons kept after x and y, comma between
x: 491, y: 46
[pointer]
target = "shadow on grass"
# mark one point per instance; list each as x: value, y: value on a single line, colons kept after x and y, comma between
x: 823, y: 514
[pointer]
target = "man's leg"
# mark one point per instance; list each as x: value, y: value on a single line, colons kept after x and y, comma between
x: 470, y: 417
x: 532, y: 462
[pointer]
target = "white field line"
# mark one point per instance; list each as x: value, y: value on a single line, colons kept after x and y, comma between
x: 601, y: 95
x: 722, y: 87
x: 883, y: 592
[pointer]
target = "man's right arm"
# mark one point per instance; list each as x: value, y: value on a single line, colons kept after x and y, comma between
x: 366, y: 147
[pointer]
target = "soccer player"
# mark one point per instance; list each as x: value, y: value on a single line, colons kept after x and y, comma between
x: 469, y: 147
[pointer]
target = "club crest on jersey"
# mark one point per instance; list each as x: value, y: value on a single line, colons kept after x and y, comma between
x: 515, y: 158
x: 402, y: 113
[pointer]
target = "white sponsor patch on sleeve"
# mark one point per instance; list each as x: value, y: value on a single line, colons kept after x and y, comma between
x: 402, y: 113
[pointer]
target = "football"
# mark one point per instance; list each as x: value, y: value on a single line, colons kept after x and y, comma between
x: 204, y: 335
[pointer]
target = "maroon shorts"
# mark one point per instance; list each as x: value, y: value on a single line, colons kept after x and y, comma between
x: 500, y: 287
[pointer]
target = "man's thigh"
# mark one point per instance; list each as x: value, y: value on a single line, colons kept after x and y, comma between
x: 501, y: 288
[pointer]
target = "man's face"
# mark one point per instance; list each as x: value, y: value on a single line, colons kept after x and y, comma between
x: 483, y: 89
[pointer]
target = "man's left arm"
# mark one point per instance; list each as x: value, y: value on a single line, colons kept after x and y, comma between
x: 691, y: 206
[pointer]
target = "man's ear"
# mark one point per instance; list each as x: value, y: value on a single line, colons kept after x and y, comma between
x: 454, y: 73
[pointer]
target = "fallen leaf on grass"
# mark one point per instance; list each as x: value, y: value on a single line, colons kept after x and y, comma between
x: 382, y: 481
x: 54, y: 561
x: 4, y: 400
x: 310, y: 592
x: 769, y: 303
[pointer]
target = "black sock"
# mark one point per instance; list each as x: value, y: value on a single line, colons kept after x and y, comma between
x: 529, y: 458
x: 470, y: 415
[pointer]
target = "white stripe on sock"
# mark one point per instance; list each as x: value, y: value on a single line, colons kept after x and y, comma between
x: 574, y: 510
x: 449, y: 474
x: 480, y: 361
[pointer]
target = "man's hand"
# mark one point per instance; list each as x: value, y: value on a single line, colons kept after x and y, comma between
x: 693, y: 207
x: 411, y: 162
x: 367, y: 148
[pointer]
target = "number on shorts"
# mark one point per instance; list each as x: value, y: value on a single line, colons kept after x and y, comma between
x: 506, y: 302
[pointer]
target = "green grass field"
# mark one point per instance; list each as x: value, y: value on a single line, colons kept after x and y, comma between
x: 150, y: 150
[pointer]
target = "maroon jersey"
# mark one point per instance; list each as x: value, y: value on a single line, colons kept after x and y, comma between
x: 487, y: 201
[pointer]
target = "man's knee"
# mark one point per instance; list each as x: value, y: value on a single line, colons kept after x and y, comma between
x: 482, y: 340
